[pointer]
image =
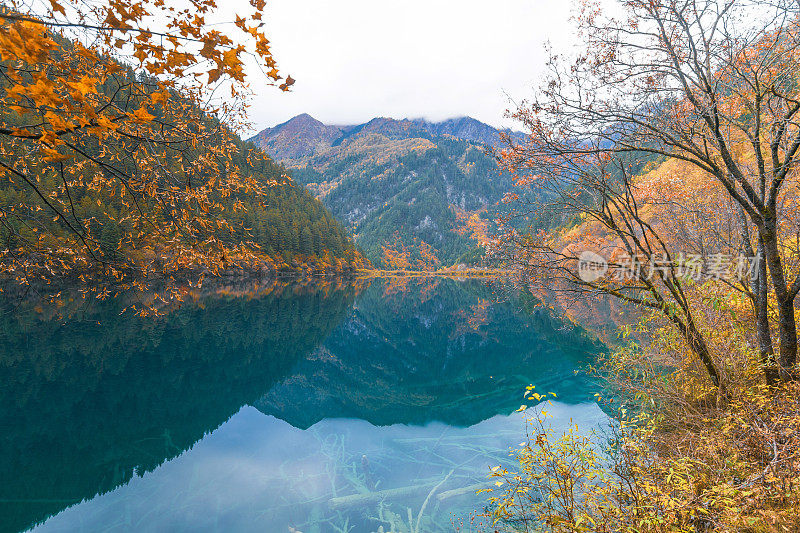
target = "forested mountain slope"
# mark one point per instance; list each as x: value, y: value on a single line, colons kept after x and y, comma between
x: 398, y: 183
x: 162, y: 186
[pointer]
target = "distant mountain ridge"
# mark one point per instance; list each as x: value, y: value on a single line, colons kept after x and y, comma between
x: 469, y: 129
x: 308, y: 134
x: 390, y: 180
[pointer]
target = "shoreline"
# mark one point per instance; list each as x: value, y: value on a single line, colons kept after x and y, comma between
x: 487, y: 273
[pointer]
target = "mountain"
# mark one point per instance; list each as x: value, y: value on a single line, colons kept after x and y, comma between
x: 297, y: 138
x: 399, y: 183
x: 469, y: 129
x: 433, y: 337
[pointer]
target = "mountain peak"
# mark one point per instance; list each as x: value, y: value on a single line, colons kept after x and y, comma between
x: 300, y: 123
x: 302, y: 118
x: 297, y: 137
x: 390, y: 127
x: 403, y: 177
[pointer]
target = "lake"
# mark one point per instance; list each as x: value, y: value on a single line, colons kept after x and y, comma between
x: 315, y: 407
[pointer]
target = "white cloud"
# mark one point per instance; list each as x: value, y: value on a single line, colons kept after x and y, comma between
x: 358, y: 59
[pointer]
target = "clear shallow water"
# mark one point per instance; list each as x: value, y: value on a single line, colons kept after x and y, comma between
x: 331, y: 408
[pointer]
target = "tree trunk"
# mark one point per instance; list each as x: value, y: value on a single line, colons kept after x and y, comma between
x: 787, y: 328
x: 764, y: 338
x: 760, y: 290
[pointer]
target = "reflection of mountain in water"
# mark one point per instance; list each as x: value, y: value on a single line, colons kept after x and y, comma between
x: 443, y: 351
x: 88, y: 403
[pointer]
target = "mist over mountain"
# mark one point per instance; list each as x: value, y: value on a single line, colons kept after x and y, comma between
x: 408, y: 181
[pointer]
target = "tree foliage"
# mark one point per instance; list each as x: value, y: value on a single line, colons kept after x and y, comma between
x: 673, y: 134
x: 708, y: 83
x: 116, y: 152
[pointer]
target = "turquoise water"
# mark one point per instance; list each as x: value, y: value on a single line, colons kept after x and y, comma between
x: 314, y: 408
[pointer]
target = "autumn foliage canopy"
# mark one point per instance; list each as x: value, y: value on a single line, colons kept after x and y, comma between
x: 117, y: 143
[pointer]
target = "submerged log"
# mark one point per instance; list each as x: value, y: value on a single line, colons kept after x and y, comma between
x: 342, y: 502
x: 461, y: 491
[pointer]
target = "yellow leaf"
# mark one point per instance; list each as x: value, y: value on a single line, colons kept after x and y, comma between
x: 141, y: 115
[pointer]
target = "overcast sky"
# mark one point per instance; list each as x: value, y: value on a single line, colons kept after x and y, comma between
x: 358, y: 59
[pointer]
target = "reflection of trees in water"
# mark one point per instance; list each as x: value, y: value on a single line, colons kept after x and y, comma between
x: 91, y: 399
x: 412, y: 353
x: 88, y: 401
x: 450, y: 352
x: 422, y: 287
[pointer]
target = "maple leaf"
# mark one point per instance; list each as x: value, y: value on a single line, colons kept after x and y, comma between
x: 50, y: 154
x: 159, y: 97
x: 214, y: 74
x: 141, y: 116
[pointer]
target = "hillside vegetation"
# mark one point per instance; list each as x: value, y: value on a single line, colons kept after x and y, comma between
x: 685, y: 204
x: 109, y: 170
x: 399, y: 183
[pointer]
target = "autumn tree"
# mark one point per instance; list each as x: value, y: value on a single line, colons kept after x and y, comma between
x: 711, y: 83
x: 428, y: 259
x: 643, y: 269
x: 122, y: 99
x: 396, y: 254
